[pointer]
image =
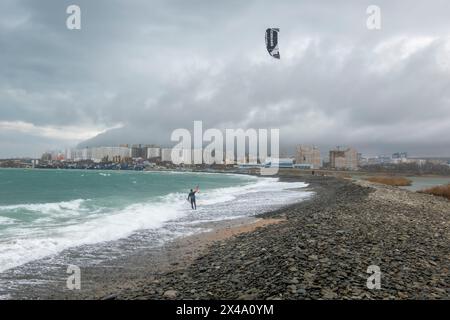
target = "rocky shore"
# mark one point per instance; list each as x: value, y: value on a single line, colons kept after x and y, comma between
x: 321, y: 249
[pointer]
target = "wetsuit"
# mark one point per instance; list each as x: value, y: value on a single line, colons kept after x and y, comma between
x: 191, y: 197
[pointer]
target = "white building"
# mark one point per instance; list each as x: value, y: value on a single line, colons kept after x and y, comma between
x: 181, y: 156
x: 166, y: 154
x: 210, y: 158
x: 100, y: 153
x: 153, y: 152
x: 68, y: 154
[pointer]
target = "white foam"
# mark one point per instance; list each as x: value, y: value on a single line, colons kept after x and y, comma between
x: 6, y: 221
x: 264, y: 185
x: 28, y: 247
x: 50, y: 207
x: 104, y: 174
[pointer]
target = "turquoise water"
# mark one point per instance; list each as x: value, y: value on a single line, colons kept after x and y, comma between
x: 421, y: 183
x: 110, y: 188
x: 418, y: 182
x: 45, y: 212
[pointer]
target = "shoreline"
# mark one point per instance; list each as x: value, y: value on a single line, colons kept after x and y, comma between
x: 127, y: 272
x: 322, y: 250
x: 318, y: 248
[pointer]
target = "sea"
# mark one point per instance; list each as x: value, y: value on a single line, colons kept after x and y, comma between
x: 48, y: 214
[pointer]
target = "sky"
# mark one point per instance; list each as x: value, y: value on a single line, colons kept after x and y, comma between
x: 137, y: 70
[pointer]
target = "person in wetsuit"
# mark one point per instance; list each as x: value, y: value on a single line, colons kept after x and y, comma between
x: 191, y: 197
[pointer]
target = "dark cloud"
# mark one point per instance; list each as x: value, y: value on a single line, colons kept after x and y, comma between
x: 149, y: 67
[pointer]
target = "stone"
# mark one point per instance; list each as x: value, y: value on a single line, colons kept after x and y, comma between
x: 170, y: 294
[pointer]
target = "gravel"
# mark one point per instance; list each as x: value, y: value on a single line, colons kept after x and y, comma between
x: 323, y: 249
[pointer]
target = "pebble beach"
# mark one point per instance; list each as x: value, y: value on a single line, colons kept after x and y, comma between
x: 319, y: 249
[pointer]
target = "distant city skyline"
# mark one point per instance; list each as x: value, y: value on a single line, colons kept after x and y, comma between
x: 136, y: 71
x: 290, y: 151
x: 151, y: 156
x: 323, y: 153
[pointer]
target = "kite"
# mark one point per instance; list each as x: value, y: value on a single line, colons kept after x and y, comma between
x: 272, y: 42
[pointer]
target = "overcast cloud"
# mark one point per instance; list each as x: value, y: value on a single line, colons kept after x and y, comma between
x: 139, y: 69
